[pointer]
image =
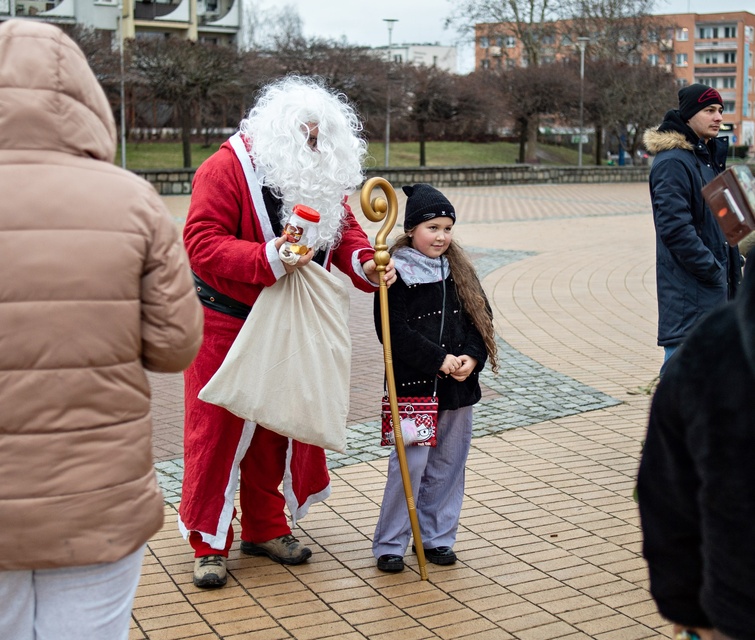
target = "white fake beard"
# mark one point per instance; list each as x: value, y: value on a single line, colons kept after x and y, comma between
x: 309, y: 184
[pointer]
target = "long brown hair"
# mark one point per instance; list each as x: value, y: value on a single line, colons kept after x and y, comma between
x: 470, y: 293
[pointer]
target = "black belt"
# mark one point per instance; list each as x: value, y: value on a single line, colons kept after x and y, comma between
x: 217, y: 301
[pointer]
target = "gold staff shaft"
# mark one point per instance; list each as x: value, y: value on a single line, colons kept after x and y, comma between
x: 377, y: 210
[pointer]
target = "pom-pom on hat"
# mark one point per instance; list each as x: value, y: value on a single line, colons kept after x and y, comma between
x: 696, y: 97
x: 424, y: 203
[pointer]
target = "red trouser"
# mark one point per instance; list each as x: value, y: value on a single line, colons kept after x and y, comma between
x: 262, y: 504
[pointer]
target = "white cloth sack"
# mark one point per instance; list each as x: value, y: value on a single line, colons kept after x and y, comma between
x: 288, y: 369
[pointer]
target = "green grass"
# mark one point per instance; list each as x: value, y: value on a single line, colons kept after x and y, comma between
x: 162, y: 155
x: 168, y: 155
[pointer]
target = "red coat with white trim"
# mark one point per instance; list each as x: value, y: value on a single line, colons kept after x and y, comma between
x: 228, y: 250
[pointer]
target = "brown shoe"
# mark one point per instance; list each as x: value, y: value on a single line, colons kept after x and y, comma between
x: 286, y: 550
x: 210, y: 572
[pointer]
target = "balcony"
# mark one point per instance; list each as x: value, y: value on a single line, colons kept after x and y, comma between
x: 146, y: 10
x: 715, y: 45
x: 715, y: 69
x: 27, y: 8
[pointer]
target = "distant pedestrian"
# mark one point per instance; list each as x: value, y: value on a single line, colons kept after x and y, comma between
x: 696, y: 270
x: 97, y: 289
x: 437, y: 290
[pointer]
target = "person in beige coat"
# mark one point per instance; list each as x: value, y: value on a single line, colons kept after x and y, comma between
x: 96, y: 288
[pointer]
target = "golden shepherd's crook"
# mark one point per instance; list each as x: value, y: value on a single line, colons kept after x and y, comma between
x: 377, y: 210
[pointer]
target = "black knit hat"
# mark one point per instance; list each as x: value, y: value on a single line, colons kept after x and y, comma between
x: 425, y: 203
x: 696, y: 97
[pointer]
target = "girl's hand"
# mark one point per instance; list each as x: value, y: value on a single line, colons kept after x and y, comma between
x: 467, y: 366
x: 450, y: 364
x: 370, y: 270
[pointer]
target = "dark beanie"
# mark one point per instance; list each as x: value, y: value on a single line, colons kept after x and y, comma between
x: 425, y: 203
x: 696, y: 97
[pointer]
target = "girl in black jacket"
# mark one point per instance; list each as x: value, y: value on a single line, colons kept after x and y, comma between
x: 429, y: 262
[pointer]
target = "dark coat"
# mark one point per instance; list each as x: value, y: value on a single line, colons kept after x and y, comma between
x: 696, y: 270
x: 697, y: 475
x: 415, y: 314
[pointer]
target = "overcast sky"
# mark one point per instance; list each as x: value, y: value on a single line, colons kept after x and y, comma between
x: 421, y: 21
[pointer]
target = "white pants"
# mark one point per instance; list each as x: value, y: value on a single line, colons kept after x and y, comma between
x: 92, y: 602
x: 437, y: 475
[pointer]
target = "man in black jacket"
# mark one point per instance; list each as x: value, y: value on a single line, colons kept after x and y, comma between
x: 695, y: 268
x: 696, y: 477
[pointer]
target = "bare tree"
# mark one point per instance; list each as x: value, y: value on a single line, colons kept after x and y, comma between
x: 269, y: 28
x: 184, y: 74
x: 103, y: 56
x: 620, y: 30
x: 533, y: 23
x: 529, y: 94
x: 431, y: 101
x: 625, y: 99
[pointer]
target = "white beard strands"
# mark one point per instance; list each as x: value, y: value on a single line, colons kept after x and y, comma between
x: 322, y: 178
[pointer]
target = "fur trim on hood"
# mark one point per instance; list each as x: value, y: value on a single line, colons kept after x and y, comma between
x: 672, y: 133
x: 656, y: 141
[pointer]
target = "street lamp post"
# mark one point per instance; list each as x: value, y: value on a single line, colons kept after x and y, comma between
x: 389, y: 23
x: 123, y: 85
x: 581, y: 43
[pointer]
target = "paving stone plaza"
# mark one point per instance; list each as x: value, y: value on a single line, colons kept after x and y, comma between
x: 549, y: 545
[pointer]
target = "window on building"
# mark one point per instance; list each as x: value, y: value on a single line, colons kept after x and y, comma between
x: 730, y: 57
x: 652, y: 36
x: 682, y: 34
x: 706, y: 33
x: 485, y: 64
x: 653, y: 60
x: 729, y: 83
x: 669, y: 58
x: 730, y: 106
x: 510, y: 42
x: 484, y: 42
x: 681, y: 59
x: 708, y: 58
x: 730, y: 32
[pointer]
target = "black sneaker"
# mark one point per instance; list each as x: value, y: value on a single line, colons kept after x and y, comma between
x: 439, y: 555
x: 390, y: 563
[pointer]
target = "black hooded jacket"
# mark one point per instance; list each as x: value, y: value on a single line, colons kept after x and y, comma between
x: 696, y: 270
x: 418, y: 350
x: 697, y: 475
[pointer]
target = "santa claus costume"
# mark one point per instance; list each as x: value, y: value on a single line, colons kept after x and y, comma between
x: 230, y: 233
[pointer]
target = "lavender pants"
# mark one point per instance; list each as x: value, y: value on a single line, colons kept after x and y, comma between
x: 437, y: 475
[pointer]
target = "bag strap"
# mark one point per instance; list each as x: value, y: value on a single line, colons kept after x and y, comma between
x: 442, y: 322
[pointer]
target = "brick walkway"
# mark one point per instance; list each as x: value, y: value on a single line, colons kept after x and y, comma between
x: 549, y: 544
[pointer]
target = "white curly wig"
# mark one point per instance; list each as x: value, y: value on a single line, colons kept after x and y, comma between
x: 277, y: 129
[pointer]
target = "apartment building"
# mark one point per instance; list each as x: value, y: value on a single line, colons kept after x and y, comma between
x: 216, y: 21
x: 715, y: 49
x: 428, y: 55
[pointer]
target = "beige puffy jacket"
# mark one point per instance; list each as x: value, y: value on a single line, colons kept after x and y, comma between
x: 95, y: 287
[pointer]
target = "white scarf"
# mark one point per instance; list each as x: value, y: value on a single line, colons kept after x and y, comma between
x: 415, y: 267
